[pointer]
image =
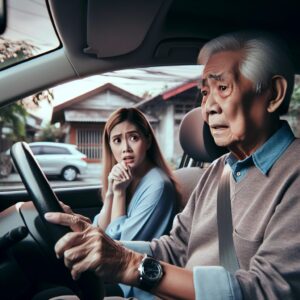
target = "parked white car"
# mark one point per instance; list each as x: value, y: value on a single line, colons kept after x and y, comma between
x: 60, y: 159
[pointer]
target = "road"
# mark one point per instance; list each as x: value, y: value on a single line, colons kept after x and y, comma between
x: 92, y: 176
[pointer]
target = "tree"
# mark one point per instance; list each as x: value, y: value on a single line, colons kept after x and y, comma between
x: 295, y: 100
x: 294, y: 109
x: 14, y: 115
x: 51, y: 133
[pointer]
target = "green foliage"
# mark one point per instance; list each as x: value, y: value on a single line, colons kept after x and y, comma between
x: 51, y: 133
x: 12, y: 52
x: 294, y: 109
x: 14, y: 116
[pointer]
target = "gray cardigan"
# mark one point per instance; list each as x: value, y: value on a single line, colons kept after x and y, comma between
x: 266, y: 222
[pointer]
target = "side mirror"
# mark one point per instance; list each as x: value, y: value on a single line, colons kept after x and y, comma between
x: 2, y: 16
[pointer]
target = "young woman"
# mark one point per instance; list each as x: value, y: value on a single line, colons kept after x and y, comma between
x: 139, y: 192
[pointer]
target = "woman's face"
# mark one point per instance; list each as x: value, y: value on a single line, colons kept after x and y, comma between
x: 128, y: 144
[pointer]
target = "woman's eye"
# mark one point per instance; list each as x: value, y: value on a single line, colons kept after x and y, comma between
x: 134, y: 138
x: 204, y: 93
x: 116, y: 141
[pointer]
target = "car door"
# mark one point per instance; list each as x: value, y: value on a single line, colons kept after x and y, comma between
x: 53, y: 159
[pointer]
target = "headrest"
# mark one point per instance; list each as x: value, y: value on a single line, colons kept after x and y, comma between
x: 196, y: 140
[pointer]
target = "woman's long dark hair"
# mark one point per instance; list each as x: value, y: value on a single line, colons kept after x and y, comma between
x: 137, y: 118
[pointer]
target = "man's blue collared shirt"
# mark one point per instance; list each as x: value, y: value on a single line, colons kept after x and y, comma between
x: 265, y: 156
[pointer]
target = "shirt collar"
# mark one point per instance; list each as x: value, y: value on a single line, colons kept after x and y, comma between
x: 266, y: 156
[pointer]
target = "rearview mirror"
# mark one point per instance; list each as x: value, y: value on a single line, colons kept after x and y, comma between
x: 2, y: 16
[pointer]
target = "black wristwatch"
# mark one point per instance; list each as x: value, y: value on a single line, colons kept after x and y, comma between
x: 150, y: 272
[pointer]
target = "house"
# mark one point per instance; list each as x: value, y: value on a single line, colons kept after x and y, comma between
x: 83, y: 118
x: 169, y: 108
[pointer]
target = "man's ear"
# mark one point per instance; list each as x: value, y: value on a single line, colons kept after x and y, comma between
x: 279, y: 86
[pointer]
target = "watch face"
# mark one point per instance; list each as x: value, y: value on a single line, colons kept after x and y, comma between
x: 152, y: 269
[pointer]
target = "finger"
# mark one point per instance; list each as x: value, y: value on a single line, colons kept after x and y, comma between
x: 75, y: 254
x: 122, y: 167
x: 71, y: 220
x: 66, y: 208
x: 116, y: 174
x: 123, y: 172
x: 129, y: 172
x: 123, y: 164
x: 91, y: 262
x: 84, y: 218
x: 68, y: 241
x: 120, y: 176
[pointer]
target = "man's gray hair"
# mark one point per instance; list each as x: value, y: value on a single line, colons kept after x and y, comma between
x: 264, y: 57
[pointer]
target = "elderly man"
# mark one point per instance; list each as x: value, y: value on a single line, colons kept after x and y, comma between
x: 246, y: 84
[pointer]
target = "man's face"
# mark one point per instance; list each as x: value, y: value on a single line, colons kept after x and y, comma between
x: 237, y: 116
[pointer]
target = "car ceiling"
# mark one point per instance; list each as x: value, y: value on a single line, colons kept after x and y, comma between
x: 100, y: 35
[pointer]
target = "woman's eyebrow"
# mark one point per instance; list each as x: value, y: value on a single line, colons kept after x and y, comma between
x: 115, y: 135
x: 132, y: 131
x: 120, y: 134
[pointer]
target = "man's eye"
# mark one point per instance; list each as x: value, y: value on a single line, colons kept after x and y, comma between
x: 222, y: 88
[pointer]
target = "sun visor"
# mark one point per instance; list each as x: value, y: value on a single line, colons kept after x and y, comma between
x: 129, y: 21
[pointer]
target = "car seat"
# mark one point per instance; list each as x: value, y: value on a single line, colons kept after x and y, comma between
x: 199, y: 149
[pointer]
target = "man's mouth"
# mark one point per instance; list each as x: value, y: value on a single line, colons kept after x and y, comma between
x: 217, y: 128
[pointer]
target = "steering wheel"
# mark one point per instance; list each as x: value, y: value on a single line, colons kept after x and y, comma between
x: 89, y: 286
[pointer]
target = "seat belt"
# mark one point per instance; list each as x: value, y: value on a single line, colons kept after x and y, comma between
x: 227, y: 254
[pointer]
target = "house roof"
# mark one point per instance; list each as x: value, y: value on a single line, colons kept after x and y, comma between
x: 166, y: 95
x: 87, y: 115
x: 65, y: 111
x: 94, y: 116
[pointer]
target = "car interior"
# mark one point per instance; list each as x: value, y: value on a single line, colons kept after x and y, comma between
x: 95, y: 37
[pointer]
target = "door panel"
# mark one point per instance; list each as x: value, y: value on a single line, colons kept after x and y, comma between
x: 84, y: 200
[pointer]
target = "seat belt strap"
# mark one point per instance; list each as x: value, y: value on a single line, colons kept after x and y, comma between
x: 227, y: 254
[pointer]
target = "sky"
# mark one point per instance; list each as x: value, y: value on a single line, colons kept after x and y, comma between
x: 28, y: 20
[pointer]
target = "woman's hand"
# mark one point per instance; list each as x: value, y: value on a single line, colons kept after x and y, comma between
x: 119, y: 177
x: 89, y: 248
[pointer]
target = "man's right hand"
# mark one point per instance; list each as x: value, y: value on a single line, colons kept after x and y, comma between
x: 89, y: 248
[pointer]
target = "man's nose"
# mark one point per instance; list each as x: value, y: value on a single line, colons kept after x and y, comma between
x: 211, y: 106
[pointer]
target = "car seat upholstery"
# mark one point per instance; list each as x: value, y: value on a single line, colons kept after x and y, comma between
x: 199, y: 148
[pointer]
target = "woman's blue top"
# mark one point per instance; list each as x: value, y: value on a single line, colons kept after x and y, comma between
x: 149, y: 215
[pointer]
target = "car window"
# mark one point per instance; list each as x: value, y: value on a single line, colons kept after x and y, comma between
x: 48, y: 150
x: 36, y: 150
x: 78, y: 110
x: 29, y: 32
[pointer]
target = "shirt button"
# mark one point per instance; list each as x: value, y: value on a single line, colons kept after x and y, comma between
x: 238, y: 173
